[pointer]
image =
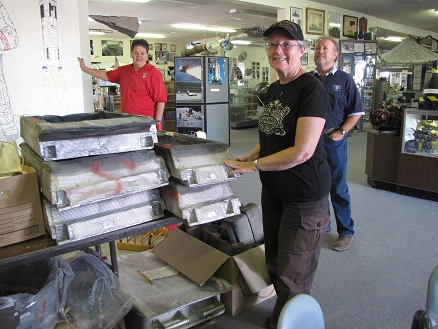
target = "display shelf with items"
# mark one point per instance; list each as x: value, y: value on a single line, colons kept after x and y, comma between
x: 169, y: 115
x: 244, y: 111
x: 417, y: 169
x: 358, y: 58
x: 420, y: 132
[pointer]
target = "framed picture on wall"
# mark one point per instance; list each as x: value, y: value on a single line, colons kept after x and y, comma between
x: 172, y: 48
x: 296, y: 16
x: 315, y: 21
x: 349, y: 26
x: 334, y: 24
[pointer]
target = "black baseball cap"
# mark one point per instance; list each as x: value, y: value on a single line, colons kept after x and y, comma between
x: 293, y: 29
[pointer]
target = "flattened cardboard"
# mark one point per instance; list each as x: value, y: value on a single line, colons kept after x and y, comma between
x: 192, y: 257
x: 21, y: 216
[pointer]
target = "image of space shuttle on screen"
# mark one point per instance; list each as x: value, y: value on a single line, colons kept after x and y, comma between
x: 188, y: 79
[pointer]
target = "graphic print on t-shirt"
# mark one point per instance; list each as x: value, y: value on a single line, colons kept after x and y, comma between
x: 271, y: 119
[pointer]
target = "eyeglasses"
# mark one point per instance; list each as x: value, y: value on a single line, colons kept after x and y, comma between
x: 285, y: 45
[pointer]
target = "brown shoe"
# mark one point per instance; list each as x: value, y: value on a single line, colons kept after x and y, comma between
x: 343, y: 243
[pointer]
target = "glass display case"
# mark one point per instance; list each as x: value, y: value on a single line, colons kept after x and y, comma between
x: 420, y: 132
x: 244, y: 108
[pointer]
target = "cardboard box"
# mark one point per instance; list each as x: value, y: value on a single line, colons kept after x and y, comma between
x: 21, y: 216
x: 198, y: 261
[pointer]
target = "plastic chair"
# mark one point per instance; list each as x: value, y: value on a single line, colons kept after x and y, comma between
x: 301, y: 312
x: 427, y: 319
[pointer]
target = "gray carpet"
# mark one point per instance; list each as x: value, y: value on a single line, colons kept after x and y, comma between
x: 382, y: 279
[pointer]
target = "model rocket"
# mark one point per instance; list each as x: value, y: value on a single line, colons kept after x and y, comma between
x: 49, y: 24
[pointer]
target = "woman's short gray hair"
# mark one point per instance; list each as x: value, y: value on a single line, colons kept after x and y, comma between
x: 302, y: 44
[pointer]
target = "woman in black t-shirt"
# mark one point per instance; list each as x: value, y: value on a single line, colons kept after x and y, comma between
x: 290, y: 159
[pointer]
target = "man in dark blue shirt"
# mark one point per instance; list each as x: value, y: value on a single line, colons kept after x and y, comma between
x: 346, y: 110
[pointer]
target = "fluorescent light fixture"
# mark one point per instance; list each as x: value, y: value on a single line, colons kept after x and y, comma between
x: 150, y: 35
x: 96, y: 32
x: 99, y: 31
x: 395, y: 39
x: 140, y: 1
x: 255, y: 13
x: 203, y: 28
x: 240, y: 42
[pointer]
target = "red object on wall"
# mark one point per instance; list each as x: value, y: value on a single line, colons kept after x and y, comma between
x: 363, y: 22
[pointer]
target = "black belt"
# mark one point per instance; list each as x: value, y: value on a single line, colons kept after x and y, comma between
x: 327, y: 132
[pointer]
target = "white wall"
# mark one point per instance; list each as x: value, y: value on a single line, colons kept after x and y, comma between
x: 107, y: 62
x: 31, y: 89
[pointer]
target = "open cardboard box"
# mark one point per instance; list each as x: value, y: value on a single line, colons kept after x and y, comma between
x: 246, y: 272
x: 21, y: 216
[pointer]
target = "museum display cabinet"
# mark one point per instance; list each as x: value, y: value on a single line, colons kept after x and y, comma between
x: 406, y: 163
x: 418, y: 159
x: 243, y: 108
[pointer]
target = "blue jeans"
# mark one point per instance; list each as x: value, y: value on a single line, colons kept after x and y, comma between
x: 337, y: 158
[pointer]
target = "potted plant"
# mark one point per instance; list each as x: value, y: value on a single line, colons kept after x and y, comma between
x: 388, y: 115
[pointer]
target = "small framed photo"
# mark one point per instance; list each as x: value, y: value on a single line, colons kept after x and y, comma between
x: 172, y: 48
x: 371, y: 48
x: 315, y: 21
x: 151, y: 46
x: 305, y: 59
x: 347, y: 46
x: 349, y: 26
x: 296, y: 16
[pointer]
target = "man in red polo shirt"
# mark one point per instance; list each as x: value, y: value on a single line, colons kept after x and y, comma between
x: 142, y: 89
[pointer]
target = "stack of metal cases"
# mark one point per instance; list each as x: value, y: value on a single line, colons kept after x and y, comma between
x: 194, y: 161
x: 89, y: 195
x: 95, y: 218
x: 85, y: 134
x: 199, y: 191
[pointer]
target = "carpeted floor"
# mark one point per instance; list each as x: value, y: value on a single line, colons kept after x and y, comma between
x: 382, y: 279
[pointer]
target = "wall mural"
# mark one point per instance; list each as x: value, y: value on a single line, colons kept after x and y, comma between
x: 8, y: 40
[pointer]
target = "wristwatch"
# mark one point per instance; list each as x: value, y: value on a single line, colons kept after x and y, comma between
x: 256, y: 164
x: 342, y: 130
